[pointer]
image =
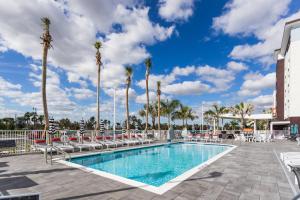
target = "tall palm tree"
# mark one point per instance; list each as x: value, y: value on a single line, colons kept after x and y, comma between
x: 46, y: 42
x: 168, y: 108
x: 148, y: 64
x: 98, y: 63
x: 158, y: 103
x: 216, y: 113
x: 242, y: 109
x: 128, y: 72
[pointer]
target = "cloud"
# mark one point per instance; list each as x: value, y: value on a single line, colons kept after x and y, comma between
x: 220, y: 78
x: 253, y: 19
x: 186, y: 88
x: 142, y: 99
x: 123, y: 26
x: 248, y: 17
x: 81, y: 93
x: 255, y: 82
x: 172, y: 10
x: 262, y: 101
x: 236, y: 66
x: 213, y: 79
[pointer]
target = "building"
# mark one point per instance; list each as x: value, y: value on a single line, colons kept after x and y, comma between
x: 287, y: 105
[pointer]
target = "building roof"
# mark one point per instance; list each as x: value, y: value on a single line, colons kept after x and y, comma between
x: 251, y: 117
x: 279, y: 53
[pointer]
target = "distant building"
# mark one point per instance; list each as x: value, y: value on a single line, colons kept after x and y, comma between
x: 287, y: 96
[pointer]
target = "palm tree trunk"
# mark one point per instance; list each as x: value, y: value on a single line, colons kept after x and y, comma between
x: 147, y: 107
x: 158, y: 112
x: 127, y: 108
x: 44, y: 96
x: 98, y: 100
x: 169, y: 121
x: 153, y: 123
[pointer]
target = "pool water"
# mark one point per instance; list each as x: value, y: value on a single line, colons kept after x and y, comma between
x: 152, y: 165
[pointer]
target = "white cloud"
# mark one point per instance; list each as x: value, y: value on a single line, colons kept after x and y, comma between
x: 186, y: 88
x: 252, y: 18
x: 74, y: 27
x: 262, y: 101
x: 236, y: 66
x: 220, y: 78
x: 172, y: 10
x: 248, y: 17
x: 255, y: 82
x: 81, y: 93
x: 213, y: 79
x: 142, y: 99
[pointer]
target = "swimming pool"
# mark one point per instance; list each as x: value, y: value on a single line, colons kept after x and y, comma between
x: 154, y: 166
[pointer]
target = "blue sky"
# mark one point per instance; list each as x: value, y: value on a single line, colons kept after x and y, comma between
x: 202, y: 51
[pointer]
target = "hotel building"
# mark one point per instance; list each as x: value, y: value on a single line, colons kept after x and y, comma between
x: 287, y: 96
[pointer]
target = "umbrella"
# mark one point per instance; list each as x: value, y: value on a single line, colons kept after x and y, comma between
x: 81, y: 125
x: 81, y: 129
x: 51, y: 130
x: 102, y: 127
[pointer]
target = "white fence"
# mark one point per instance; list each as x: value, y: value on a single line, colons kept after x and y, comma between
x: 13, y: 142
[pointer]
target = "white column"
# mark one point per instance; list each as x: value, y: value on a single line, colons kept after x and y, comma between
x: 114, y: 113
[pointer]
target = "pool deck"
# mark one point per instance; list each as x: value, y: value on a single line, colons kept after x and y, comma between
x: 251, y: 171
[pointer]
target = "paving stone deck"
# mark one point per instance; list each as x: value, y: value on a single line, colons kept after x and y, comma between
x: 251, y: 171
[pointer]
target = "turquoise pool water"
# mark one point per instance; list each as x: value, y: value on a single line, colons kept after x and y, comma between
x: 152, y: 165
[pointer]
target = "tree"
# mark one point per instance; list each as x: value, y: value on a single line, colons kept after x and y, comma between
x: 184, y: 113
x: 152, y: 111
x: 168, y: 108
x: 148, y: 64
x: 216, y: 113
x: 46, y: 42
x: 232, y: 125
x: 98, y: 63
x: 64, y: 123
x: 27, y: 116
x: 158, y: 92
x: 128, y: 72
x: 242, y: 109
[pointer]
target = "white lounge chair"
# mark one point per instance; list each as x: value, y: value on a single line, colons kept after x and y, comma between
x: 74, y: 142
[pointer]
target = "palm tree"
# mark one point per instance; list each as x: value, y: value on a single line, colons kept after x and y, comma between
x: 158, y: 103
x: 27, y: 116
x: 168, y: 108
x: 98, y: 63
x: 152, y: 111
x: 128, y: 82
x: 242, y: 109
x: 216, y: 113
x: 184, y: 113
x: 148, y: 64
x: 46, y: 42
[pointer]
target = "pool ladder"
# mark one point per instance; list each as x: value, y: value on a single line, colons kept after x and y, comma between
x: 58, y: 151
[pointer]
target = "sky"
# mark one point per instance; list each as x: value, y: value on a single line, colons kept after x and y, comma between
x: 202, y: 51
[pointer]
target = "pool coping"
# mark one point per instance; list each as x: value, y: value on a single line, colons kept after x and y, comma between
x: 157, y: 190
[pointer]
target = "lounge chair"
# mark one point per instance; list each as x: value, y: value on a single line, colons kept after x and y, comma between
x: 74, y: 142
x: 105, y: 143
x: 41, y: 145
x: 95, y: 145
x: 285, y: 155
x: 61, y: 145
